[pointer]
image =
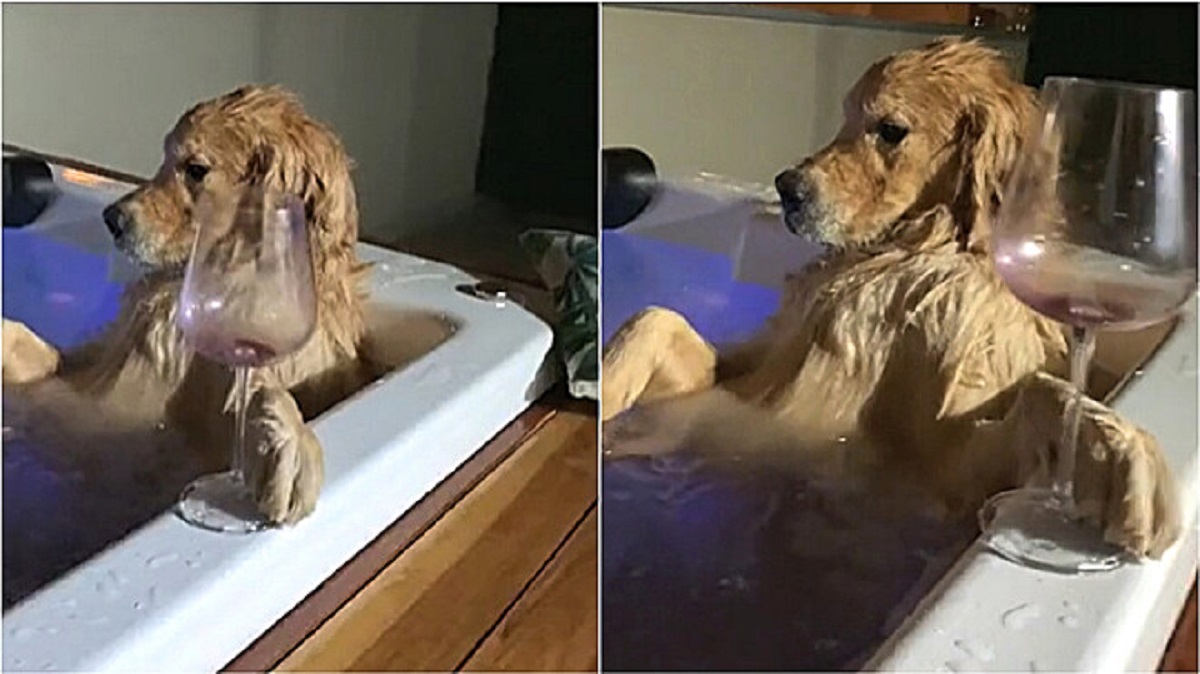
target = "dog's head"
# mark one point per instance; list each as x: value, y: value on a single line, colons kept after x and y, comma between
x: 938, y: 126
x: 252, y: 134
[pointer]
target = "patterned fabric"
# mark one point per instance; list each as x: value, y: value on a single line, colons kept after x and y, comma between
x: 568, y: 263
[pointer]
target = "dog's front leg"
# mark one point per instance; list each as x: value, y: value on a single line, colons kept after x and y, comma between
x: 26, y: 357
x: 1122, y: 481
x: 655, y: 355
x: 284, y: 462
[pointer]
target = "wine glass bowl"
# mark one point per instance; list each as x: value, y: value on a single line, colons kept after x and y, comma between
x: 248, y: 299
x: 1101, y: 206
x: 1097, y: 230
x: 248, y: 294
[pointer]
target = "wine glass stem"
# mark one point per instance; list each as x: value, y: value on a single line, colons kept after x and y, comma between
x: 241, y: 392
x: 1083, y: 343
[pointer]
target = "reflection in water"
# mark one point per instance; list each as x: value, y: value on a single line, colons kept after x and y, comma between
x: 77, y: 479
x: 711, y: 567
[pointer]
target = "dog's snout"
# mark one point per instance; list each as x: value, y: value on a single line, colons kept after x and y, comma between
x: 790, y: 185
x: 117, y: 220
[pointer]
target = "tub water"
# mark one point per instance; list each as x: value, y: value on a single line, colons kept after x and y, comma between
x: 100, y: 575
x: 737, y: 567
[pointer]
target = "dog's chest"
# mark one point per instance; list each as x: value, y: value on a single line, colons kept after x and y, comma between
x: 843, y: 325
x: 868, y: 304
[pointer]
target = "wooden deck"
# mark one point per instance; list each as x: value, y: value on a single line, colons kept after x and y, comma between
x: 505, y: 580
x: 1181, y: 651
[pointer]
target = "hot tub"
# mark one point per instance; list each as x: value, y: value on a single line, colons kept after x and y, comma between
x: 129, y: 586
x: 707, y: 570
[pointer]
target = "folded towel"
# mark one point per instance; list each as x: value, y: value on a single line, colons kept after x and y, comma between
x: 568, y: 264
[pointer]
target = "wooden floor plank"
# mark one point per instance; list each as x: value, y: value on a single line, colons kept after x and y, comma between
x: 553, y: 627
x: 429, y: 608
x: 1181, y: 651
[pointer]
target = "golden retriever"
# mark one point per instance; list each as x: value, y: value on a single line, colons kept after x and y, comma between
x: 140, y: 373
x: 900, y: 353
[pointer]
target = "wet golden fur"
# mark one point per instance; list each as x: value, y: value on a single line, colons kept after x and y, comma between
x: 900, y: 353
x: 140, y: 371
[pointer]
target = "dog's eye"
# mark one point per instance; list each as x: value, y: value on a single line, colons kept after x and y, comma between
x: 195, y: 171
x: 891, y: 132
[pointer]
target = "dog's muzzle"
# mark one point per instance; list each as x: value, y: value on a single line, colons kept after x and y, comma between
x: 117, y: 220
x: 795, y: 197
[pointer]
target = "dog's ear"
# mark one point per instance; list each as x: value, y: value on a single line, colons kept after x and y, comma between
x: 990, y: 135
x: 324, y: 184
x: 312, y: 165
x: 260, y: 168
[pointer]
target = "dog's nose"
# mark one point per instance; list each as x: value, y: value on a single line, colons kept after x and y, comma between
x: 116, y: 220
x: 789, y: 184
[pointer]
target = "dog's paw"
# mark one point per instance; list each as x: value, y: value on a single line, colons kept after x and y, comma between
x: 284, y: 464
x: 26, y: 357
x: 1122, y: 483
x: 1121, y: 480
x: 655, y: 355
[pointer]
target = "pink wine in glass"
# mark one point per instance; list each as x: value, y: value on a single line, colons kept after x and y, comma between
x: 233, y: 350
x: 1088, y: 287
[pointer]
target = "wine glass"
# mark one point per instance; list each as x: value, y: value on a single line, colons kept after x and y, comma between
x: 1097, y: 230
x: 248, y: 298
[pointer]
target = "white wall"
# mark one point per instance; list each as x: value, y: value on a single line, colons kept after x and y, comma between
x: 404, y: 85
x: 736, y: 96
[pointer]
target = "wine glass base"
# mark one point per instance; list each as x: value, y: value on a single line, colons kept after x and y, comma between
x: 1036, y: 528
x: 221, y: 502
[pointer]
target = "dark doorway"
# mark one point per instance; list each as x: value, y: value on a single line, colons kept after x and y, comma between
x: 1144, y: 43
x: 538, y: 152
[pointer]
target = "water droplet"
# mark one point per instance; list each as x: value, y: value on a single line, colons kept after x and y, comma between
x: 1069, y: 621
x: 975, y: 649
x: 1139, y: 182
x: 842, y: 439
x: 1119, y: 215
x: 68, y: 603
x: 23, y: 633
x: 735, y: 582
x: 108, y: 590
x: 137, y: 606
x: 1160, y: 139
x: 159, y: 561
x: 160, y: 426
x: 1018, y: 617
x: 956, y: 666
x: 1033, y: 667
x: 826, y: 644
x: 1125, y: 267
